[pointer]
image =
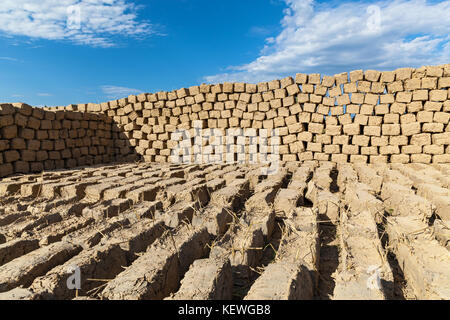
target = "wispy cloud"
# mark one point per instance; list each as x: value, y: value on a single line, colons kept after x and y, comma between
x: 331, y: 38
x: 115, y: 92
x: 85, y: 22
x: 9, y: 59
x: 44, y: 94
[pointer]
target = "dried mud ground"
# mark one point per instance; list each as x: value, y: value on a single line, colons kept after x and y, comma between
x: 313, y: 230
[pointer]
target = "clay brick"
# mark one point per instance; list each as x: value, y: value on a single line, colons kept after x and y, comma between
x: 400, y: 158
x: 372, y: 130
x: 420, y: 95
x: 429, y: 83
x: 411, y: 128
x: 389, y: 150
x: 421, y: 158
x: 438, y: 95
x: 421, y: 139
x: 441, y: 117
x: 433, y: 127
x: 9, y: 132
x: 356, y: 75
x: 352, y: 129
x: 350, y: 149
x: 403, y: 97
x: 398, y: 140
x: 390, y: 129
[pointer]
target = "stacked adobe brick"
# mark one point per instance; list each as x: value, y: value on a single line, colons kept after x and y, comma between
x: 34, y: 139
x: 399, y: 116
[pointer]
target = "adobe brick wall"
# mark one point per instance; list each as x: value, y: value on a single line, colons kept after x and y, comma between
x: 34, y: 139
x: 398, y: 116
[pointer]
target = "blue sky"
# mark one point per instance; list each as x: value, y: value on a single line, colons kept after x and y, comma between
x: 125, y: 47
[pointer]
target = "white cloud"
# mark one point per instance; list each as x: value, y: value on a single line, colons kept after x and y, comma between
x: 115, y: 92
x: 9, y: 59
x: 44, y: 94
x: 86, y: 22
x: 350, y: 35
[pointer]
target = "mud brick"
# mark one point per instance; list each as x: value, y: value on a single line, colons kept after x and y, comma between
x: 358, y: 158
x: 409, y: 129
x: 400, y: 158
x: 11, y: 156
x: 356, y: 75
x: 441, y: 138
x: 382, y: 109
x: 378, y: 159
x: 323, y: 139
x: 352, y: 129
x: 314, y: 78
x: 391, y: 129
x: 337, y: 110
x: 412, y: 84
x: 444, y: 83
x: 398, y: 140
x: 379, y: 141
x: 304, y: 136
x: 21, y: 167
x: 433, y: 149
x: 332, y: 149
x: 432, y: 106
x: 4, y: 145
x: 371, y: 99
x: 387, y: 98
x: 429, y: 83
x: 316, y: 128
x: 9, y: 132
x: 333, y: 130
x: 403, y: 73
x: 372, y: 75
x: 403, y: 97
x: 389, y: 150
x: 6, y: 120
x: 369, y: 150
x: 433, y: 127
x: 441, y: 117
x: 438, y: 95
x: 367, y: 109
x: 421, y: 158
x: 19, y: 119
x: 420, y: 139
x: 18, y: 144
x: 6, y: 169
x: 424, y: 116
x: 375, y: 121
x: 414, y: 106
x: 353, y: 108
x: 350, y: 88
x: 394, y: 87
x: 315, y: 147
x: 442, y: 158
x: 387, y: 76
x: 33, y: 145
x: 360, y: 140
x: 340, y: 139
x: 350, y: 149
x: 334, y: 92
x: 420, y: 95
x: 339, y: 158
x: 361, y: 119
x: 391, y: 118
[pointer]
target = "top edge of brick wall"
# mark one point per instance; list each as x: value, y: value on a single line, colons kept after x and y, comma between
x: 400, y: 74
